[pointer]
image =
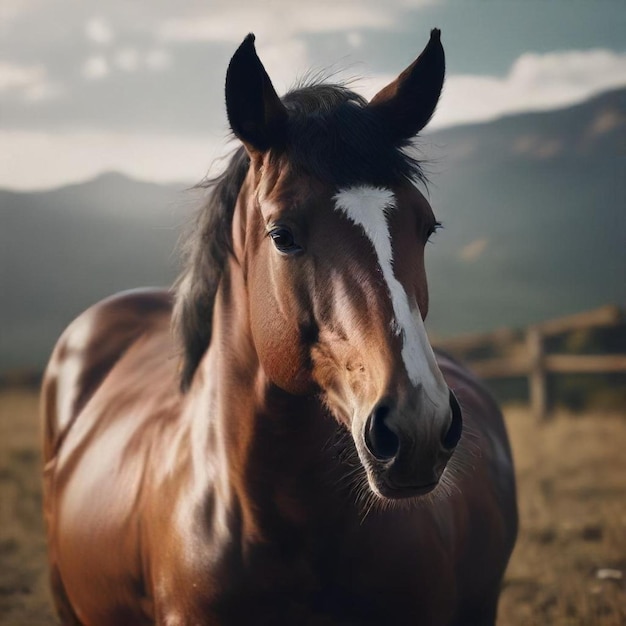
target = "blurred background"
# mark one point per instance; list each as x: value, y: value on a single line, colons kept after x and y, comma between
x: 109, y: 113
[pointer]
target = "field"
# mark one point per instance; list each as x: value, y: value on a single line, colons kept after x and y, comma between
x: 569, y: 566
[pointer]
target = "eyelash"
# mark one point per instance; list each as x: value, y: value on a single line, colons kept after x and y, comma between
x: 436, y: 227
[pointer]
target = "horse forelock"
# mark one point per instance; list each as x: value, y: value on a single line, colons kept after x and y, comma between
x: 333, y: 136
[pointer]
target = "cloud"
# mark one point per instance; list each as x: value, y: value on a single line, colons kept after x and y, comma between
x: 127, y: 59
x: 158, y: 60
x: 39, y: 160
x: 95, y: 67
x: 11, y: 10
x: 354, y: 39
x: 285, y: 62
x: 277, y: 21
x: 535, y: 82
x: 30, y: 82
x: 13, y: 76
x: 99, y: 31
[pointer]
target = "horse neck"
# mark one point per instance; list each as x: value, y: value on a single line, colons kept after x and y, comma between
x: 275, y: 452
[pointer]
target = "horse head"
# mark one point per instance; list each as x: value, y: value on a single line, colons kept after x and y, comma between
x: 329, y: 230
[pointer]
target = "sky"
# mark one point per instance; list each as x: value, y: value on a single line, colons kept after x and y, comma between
x: 136, y: 86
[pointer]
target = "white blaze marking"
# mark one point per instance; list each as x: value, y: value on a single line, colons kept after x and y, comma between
x: 369, y: 207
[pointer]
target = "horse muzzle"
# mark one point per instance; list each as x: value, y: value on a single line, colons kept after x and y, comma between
x: 407, y: 451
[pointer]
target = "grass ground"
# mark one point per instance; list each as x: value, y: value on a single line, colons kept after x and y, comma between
x: 571, y: 476
x: 572, y: 496
x: 23, y: 578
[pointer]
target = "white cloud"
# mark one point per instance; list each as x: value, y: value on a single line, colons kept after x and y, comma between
x: 39, y: 160
x: 95, y: 67
x: 277, y: 21
x: 14, y: 9
x: 285, y: 62
x: 34, y: 159
x: 14, y: 76
x: 354, y: 39
x: 230, y: 21
x: 158, y: 59
x: 42, y: 91
x: 417, y: 4
x: 127, y: 59
x: 535, y: 82
x: 29, y: 82
x: 99, y: 31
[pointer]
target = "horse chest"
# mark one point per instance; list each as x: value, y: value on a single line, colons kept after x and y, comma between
x: 340, y: 579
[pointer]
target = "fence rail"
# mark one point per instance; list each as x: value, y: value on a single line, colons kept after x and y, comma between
x: 529, y: 358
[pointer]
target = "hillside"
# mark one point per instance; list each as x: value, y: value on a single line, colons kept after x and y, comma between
x: 64, y: 249
x: 533, y: 207
x: 534, y: 210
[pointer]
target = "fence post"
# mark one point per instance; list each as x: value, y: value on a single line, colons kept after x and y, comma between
x: 537, y: 383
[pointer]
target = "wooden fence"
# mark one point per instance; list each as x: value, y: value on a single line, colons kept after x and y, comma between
x: 527, y: 356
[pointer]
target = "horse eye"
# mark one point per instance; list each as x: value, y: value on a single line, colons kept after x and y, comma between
x: 433, y: 229
x: 284, y: 241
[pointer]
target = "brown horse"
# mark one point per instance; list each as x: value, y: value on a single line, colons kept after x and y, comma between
x: 306, y: 463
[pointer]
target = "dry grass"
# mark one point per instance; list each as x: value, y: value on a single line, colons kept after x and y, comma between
x: 572, y: 494
x: 572, y: 499
x: 24, y: 597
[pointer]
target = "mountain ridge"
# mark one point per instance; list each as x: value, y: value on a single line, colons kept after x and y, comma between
x: 533, y: 206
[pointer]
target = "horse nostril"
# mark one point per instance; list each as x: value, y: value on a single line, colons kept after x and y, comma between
x: 453, y: 434
x: 381, y: 441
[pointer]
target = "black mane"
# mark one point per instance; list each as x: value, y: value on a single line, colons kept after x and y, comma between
x: 332, y: 136
x: 204, y: 252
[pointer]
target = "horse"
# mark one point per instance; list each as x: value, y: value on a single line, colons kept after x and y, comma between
x: 274, y: 440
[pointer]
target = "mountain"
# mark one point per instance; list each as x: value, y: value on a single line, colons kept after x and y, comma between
x: 64, y: 249
x: 533, y: 207
x: 534, y: 210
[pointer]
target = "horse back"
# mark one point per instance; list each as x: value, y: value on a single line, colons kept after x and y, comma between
x: 109, y: 389
x: 88, y: 350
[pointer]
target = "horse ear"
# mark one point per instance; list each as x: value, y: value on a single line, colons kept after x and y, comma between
x: 407, y: 103
x: 255, y: 113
